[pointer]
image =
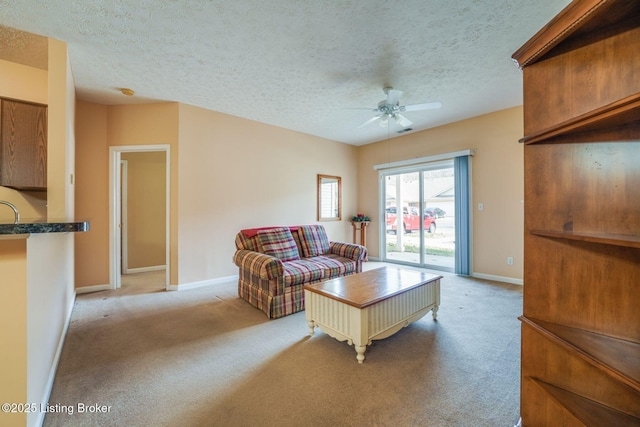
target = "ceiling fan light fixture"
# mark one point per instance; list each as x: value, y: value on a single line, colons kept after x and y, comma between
x: 390, y: 108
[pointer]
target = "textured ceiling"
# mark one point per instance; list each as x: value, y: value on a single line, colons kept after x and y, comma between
x: 305, y: 65
x: 23, y: 48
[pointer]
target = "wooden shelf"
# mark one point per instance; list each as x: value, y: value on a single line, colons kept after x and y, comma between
x: 616, y: 357
x: 616, y: 114
x: 605, y: 239
x: 589, y: 412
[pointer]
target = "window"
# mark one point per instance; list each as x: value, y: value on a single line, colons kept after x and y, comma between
x: 329, y: 198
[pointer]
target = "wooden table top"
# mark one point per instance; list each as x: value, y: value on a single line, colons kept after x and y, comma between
x: 364, y: 289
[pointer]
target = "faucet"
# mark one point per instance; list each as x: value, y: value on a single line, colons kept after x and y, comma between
x: 15, y: 210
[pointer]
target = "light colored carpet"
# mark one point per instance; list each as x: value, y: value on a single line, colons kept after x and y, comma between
x: 204, y: 357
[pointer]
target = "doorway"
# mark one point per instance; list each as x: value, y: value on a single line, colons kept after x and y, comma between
x: 139, y: 222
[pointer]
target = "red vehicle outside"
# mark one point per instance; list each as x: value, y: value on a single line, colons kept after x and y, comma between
x: 410, y: 220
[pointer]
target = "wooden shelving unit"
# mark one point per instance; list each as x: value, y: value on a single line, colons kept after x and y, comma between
x: 581, y: 310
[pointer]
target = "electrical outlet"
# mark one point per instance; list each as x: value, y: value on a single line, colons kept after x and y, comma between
x: 510, y: 260
x: 480, y: 206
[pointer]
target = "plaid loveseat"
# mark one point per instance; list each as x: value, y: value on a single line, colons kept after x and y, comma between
x: 276, y: 262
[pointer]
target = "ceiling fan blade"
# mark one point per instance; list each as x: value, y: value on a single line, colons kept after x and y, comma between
x: 402, y: 120
x: 371, y: 120
x: 393, y: 96
x: 425, y: 106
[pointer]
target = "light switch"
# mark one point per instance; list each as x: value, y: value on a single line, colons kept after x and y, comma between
x: 480, y: 206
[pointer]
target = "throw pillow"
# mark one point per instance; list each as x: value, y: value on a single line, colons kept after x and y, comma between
x: 278, y: 242
x: 313, y: 240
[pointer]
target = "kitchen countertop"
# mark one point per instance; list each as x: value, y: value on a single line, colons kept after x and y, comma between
x: 27, y: 226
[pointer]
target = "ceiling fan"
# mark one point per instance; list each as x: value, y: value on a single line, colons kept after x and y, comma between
x: 390, y: 109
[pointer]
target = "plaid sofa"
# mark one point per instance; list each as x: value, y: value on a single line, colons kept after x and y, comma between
x: 276, y: 262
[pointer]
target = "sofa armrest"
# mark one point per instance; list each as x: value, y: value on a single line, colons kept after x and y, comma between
x: 349, y: 250
x: 264, y: 266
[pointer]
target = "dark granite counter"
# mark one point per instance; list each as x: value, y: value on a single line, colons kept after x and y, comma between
x: 44, y: 226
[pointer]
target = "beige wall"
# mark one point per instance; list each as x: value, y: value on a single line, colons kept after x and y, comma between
x: 146, y: 208
x: 497, y: 182
x: 98, y: 128
x: 150, y: 124
x: 227, y: 173
x: 237, y: 173
x: 92, y: 195
x: 22, y: 82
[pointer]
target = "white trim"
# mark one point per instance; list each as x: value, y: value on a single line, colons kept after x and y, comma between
x: 94, y: 288
x: 124, y: 198
x: 427, y: 159
x: 145, y: 269
x: 504, y: 279
x: 115, y: 270
x: 54, y: 365
x: 200, y: 284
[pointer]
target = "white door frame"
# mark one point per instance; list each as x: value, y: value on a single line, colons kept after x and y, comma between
x: 124, y: 244
x: 115, y: 221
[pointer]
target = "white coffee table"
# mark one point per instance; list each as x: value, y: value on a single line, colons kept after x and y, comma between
x: 371, y: 305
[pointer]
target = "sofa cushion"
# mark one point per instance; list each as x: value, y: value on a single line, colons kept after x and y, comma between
x: 335, y: 265
x: 313, y: 240
x: 301, y: 271
x: 278, y: 242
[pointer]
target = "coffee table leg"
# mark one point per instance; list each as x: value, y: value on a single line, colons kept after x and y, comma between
x: 360, y: 349
x: 434, y: 312
x: 311, y: 325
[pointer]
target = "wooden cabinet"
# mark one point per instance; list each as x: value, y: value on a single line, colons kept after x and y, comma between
x: 581, y: 310
x: 23, y: 145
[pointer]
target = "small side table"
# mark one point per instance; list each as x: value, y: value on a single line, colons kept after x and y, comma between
x: 363, y: 231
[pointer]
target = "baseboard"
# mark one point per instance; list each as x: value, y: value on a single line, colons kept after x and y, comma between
x: 504, y: 279
x: 195, y: 285
x: 54, y: 366
x: 145, y: 269
x: 492, y: 277
x: 94, y: 288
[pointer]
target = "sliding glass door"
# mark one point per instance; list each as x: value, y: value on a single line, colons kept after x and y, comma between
x: 426, y: 220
